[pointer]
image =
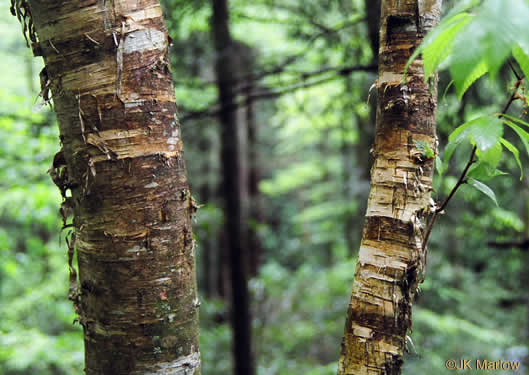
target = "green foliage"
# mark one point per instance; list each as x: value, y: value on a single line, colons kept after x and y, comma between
x: 484, y: 189
x: 484, y: 132
x: 509, y: 146
x: 426, y: 150
x: 477, y: 38
x: 300, y: 313
x: 36, y: 331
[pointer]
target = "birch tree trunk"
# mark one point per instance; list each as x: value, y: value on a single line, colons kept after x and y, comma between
x: 122, y: 175
x: 391, y: 260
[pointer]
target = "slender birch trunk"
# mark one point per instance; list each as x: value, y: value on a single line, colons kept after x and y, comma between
x: 391, y: 260
x: 122, y: 175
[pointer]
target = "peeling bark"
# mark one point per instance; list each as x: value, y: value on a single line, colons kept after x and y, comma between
x: 391, y: 260
x: 122, y: 175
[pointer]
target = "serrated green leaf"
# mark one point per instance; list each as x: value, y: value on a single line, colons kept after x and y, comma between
x: 465, y: 72
x: 438, y: 50
x: 503, y: 23
x: 484, y: 131
x: 509, y: 146
x: 487, y: 41
x: 483, y: 188
x: 432, y: 38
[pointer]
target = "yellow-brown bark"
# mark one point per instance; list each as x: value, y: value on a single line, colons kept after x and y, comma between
x: 122, y: 174
x: 391, y: 259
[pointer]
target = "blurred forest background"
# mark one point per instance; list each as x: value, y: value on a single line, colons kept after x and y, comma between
x: 303, y: 73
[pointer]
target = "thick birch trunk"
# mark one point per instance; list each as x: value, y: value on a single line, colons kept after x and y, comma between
x: 122, y: 160
x: 391, y: 260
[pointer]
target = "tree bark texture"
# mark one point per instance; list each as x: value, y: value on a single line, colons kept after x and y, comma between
x: 121, y: 172
x: 391, y: 260
x: 233, y: 190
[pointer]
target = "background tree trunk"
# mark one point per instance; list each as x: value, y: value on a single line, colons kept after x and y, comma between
x: 121, y: 172
x: 254, y: 176
x: 233, y: 190
x: 391, y: 260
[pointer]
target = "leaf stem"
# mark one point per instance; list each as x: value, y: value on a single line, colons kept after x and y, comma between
x: 462, y: 177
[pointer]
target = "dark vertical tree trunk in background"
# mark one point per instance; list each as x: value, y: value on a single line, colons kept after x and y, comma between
x: 204, y: 145
x: 346, y: 151
x: 391, y: 260
x: 121, y: 172
x: 372, y: 8
x: 255, y: 212
x: 235, y: 229
x: 366, y: 127
x: 205, y: 197
x: 323, y: 149
x: 223, y: 263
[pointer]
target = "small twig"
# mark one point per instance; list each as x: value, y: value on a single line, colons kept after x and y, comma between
x: 440, y: 209
x: 92, y: 39
x: 462, y: 178
x: 518, y: 77
x: 52, y: 46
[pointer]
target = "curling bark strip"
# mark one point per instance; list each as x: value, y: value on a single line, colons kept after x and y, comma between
x: 107, y: 66
x: 391, y: 260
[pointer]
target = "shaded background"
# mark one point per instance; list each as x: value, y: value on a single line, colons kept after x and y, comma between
x: 304, y: 69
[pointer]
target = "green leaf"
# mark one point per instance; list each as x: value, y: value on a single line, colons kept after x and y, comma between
x: 465, y: 72
x: 524, y: 136
x: 484, y: 171
x: 509, y: 146
x: 461, y: 6
x: 449, y: 151
x: 522, y: 58
x: 516, y: 120
x: 425, y: 148
x: 438, y: 50
x: 442, y: 35
x: 503, y: 23
x: 439, y: 166
x: 487, y: 41
x: 492, y: 156
x: 484, y: 131
x: 446, y: 91
x: 484, y: 189
x: 486, y: 134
